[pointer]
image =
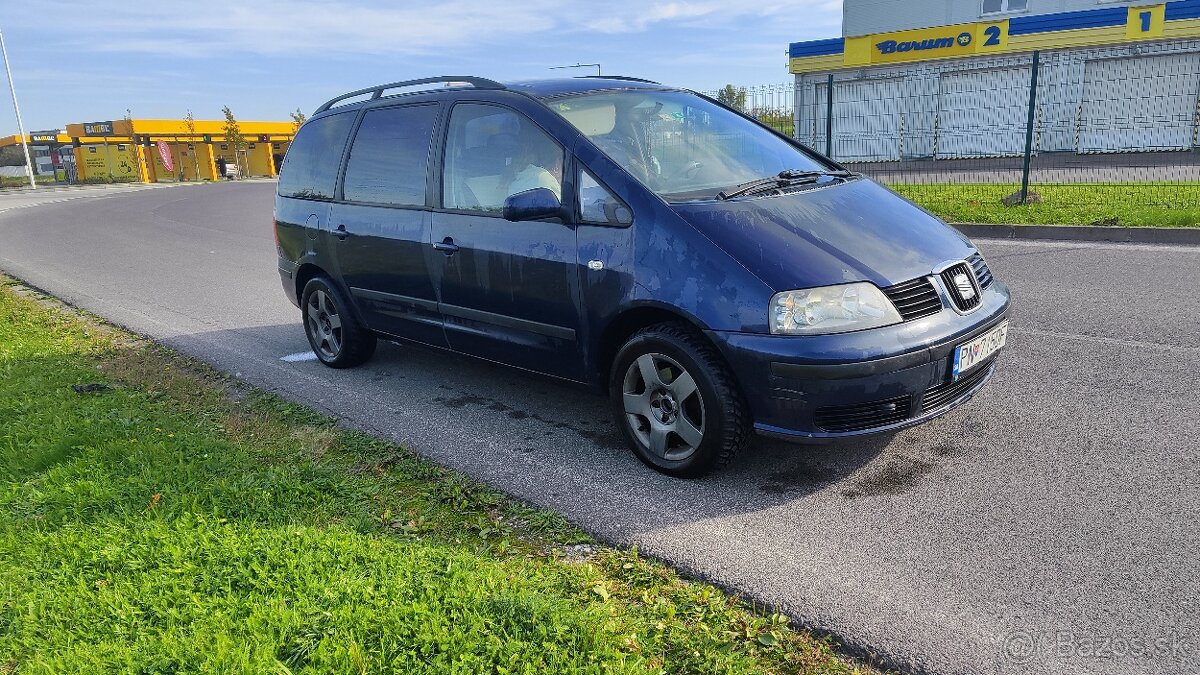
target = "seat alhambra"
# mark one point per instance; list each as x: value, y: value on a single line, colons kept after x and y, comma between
x: 712, y: 276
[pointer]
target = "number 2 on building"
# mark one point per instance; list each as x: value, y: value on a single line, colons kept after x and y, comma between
x: 993, y: 36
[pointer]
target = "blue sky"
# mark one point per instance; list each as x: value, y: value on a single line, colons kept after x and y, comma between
x: 89, y: 61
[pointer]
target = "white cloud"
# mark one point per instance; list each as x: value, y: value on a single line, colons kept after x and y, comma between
x: 316, y: 29
x: 633, y: 16
x: 294, y: 28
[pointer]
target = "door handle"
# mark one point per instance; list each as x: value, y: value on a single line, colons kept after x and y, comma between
x: 341, y: 232
x: 446, y: 246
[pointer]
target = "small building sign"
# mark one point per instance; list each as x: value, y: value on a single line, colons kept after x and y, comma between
x: 98, y: 128
x: 44, y: 136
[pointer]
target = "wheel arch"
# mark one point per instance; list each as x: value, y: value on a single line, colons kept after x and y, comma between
x: 629, y: 321
x: 309, y: 271
x: 304, y: 274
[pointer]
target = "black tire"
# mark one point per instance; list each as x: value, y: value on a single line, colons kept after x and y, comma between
x: 714, y: 406
x: 336, y: 336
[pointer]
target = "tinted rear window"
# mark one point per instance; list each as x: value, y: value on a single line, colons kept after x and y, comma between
x: 310, y: 167
x: 389, y: 160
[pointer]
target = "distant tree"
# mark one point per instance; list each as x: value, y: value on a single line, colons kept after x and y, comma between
x: 12, y: 156
x: 189, y: 123
x: 734, y: 97
x: 298, y: 118
x: 234, y: 137
x: 777, y: 118
x: 135, y: 150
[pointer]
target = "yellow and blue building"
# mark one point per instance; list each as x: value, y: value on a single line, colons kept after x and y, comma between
x: 148, y: 150
x: 951, y: 79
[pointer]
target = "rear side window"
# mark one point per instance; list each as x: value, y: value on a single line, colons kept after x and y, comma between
x: 310, y: 167
x: 389, y: 159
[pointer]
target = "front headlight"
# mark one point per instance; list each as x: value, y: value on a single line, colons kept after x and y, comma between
x: 831, y: 309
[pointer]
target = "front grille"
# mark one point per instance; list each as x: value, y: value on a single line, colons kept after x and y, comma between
x: 937, y: 396
x: 861, y: 416
x: 982, y: 273
x: 914, y: 299
x: 965, y: 294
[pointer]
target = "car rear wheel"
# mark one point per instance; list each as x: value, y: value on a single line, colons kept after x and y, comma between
x: 676, y: 402
x: 336, y: 337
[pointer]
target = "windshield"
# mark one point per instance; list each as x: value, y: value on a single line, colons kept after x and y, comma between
x: 680, y: 145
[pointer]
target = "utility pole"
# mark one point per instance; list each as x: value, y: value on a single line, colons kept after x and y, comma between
x: 17, y: 108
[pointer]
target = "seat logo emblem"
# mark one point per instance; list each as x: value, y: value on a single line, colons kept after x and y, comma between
x: 966, y: 290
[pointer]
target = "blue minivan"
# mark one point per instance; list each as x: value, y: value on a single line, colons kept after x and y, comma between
x: 712, y: 276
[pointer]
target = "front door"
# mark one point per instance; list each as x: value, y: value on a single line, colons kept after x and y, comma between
x: 509, y: 291
x: 381, y: 226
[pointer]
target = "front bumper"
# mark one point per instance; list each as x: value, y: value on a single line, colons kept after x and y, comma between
x: 861, y: 383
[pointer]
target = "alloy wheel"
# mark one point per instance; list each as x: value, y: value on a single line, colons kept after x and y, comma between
x: 663, y: 406
x: 324, y: 324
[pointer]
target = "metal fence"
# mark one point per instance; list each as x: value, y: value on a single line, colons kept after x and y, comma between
x: 1106, y: 135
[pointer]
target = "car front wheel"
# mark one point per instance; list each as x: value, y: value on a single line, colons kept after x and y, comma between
x: 676, y: 402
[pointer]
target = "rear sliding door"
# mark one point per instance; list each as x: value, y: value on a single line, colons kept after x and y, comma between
x: 381, y: 226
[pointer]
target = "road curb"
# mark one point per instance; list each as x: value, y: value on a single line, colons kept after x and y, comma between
x: 1136, y: 235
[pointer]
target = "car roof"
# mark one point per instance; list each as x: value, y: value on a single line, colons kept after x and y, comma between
x: 539, y: 89
x: 550, y: 88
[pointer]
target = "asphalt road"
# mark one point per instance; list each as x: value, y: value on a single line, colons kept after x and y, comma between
x: 1050, y: 526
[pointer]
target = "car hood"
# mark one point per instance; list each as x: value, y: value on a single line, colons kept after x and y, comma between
x: 855, y: 230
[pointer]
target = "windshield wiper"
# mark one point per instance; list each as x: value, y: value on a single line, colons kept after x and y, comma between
x: 779, y: 180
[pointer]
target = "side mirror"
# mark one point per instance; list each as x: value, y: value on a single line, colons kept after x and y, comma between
x: 534, y: 204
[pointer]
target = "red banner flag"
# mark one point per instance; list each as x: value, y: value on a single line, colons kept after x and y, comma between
x: 164, y: 151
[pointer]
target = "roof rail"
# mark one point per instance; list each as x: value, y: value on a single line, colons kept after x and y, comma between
x: 620, y: 77
x: 377, y: 91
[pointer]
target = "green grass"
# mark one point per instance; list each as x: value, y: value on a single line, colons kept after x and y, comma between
x: 23, y: 181
x: 1167, y: 204
x: 174, y: 521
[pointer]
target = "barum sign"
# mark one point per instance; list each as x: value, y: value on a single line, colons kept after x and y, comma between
x: 899, y: 46
x: 928, y: 43
x: 98, y: 128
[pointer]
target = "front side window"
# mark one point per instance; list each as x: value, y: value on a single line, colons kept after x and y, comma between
x: 493, y: 153
x: 997, y: 6
x: 680, y: 145
x: 311, y: 165
x: 597, y: 204
x: 389, y: 159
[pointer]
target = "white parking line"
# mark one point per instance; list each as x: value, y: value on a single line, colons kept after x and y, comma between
x: 298, y: 357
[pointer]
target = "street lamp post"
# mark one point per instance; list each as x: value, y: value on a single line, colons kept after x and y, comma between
x: 580, y: 65
x: 17, y: 108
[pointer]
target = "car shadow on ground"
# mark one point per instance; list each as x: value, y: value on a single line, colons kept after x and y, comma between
x: 548, y: 442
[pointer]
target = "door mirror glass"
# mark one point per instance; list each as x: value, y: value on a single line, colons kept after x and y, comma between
x: 534, y: 204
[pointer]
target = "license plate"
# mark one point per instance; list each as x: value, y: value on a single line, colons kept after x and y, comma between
x: 975, y: 352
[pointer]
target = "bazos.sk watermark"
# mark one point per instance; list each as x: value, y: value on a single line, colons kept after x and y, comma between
x: 1022, y: 646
